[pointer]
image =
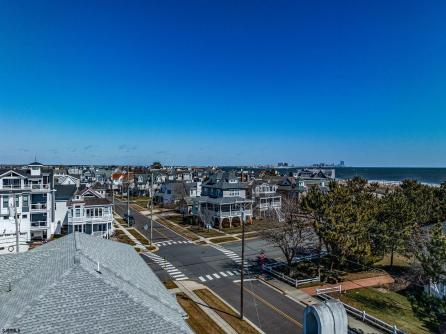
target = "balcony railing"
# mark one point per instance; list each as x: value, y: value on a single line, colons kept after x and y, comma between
x: 40, y: 186
x: 39, y: 223
x: 39, y: 206
x: 232, y: 213
x: 25, y: 186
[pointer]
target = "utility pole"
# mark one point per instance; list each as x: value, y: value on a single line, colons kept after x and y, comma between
x: 151, y: 208
x: 17, y: 229
x: 242, y: 271
x: 128, y: 196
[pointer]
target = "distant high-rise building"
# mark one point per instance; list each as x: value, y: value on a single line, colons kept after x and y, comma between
x: 282, y: 164
x: 342, y: 163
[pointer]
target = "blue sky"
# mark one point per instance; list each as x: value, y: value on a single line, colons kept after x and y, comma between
x: 223, y: 82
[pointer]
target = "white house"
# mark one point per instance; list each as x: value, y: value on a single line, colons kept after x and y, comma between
x: 64, y: 179
x: 27, y: 198
x: 63, y: 194
x: 90, y: 213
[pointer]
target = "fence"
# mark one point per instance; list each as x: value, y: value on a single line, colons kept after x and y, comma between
x: 329, y: 290
x: 269, y: 268
x: 362, y: 315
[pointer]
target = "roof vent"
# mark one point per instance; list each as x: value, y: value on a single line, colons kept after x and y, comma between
x: 98, y: 269
x: 77, y: 259
x: 9, y: 286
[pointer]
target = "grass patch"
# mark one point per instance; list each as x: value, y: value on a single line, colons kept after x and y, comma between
x: 200, y: 322
x: 123, y: 238
x: 180, y: 230
x: 391, y: 307
x: 256, y: 226
x: 169, y: 284
x: 206, y: 233
x: 122, y: 222
x: 225, y: 312
x: 222, y: 239
x: 177, y: 219
x: 142, y: 239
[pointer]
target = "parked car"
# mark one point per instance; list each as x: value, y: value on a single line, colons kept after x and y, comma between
x: 129, y: 219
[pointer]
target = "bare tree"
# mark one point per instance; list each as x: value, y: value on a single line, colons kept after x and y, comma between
x: 288, y: 230
x: 205, y: 215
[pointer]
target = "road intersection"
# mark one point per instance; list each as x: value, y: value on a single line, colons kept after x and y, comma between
x: 218, y: 267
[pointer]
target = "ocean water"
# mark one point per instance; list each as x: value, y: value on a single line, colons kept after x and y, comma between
x: 381, y: 174
x: 423, y: 175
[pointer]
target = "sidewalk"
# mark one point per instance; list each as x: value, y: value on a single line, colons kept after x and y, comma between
x: 351, y: 285
x: 138, y: 244
x: 187, y: 288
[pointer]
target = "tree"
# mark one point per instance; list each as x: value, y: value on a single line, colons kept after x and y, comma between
x: 288, y: 230
x: 156, y: 165
x: 205, y: 215
x: 397, y: 221
x: 423, y: 201
x: 342, y: 218
x: 432, y: 255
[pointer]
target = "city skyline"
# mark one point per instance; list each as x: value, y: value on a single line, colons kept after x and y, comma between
x: 227, y: 83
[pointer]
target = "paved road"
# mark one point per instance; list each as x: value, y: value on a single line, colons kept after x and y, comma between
x: 160, y: 232
x: 219, y: 268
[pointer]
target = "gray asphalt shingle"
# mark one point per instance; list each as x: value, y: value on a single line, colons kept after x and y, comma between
x: 53, y: 293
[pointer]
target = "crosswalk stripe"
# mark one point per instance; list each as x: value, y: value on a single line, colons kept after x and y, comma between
x: 230, y: 273
x: 178, y: 276
x: 223, y: 274
x: 216, y: 275
x: 201, y: 279
x: 209, y: 277
x: 182, y: 278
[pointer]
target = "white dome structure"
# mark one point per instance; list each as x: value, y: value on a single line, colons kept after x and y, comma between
x: 328, y: 317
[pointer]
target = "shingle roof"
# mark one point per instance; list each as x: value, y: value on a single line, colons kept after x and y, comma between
x: 64, y: 192
x: 55, y: 288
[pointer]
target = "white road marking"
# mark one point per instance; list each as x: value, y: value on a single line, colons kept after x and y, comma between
x: 201, y: 279
x: 216, y: 275
x: 223, y: 274
x: 209, y: 277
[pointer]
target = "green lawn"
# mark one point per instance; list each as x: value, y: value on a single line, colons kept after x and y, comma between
x: 391, y: 307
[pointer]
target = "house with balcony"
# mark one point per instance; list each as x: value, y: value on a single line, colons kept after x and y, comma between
x: 171, y: 192
x: 142, y: 184
x: 223, y: 201
x: 265, y: 196
x: 26, y: 196
x: 90, y: 213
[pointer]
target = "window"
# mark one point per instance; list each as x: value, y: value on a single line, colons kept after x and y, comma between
x: 77, y: 212
x: 234, y: 193
x: 24, y: 216
x: 26, y: 201
x: 17, y: 201
x: 5, y: 201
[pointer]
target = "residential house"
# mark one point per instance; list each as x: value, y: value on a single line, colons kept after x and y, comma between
x: 265, y: 196
x: 193, y: 190
x: 63, y: 194
x: 171, y: 192
x: 82, y: 284
x: 223, y: 201
x: 142, y: 184
x: 90, y: 213
x: 27, y: 196
x: 64, y: 179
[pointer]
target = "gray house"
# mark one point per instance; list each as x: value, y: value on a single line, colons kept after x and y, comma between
x: 82, y: 284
